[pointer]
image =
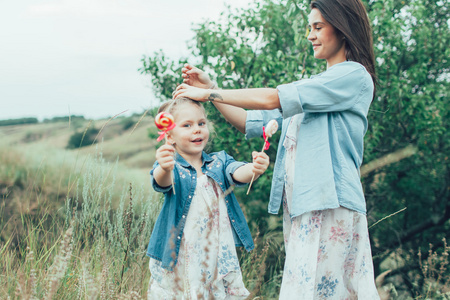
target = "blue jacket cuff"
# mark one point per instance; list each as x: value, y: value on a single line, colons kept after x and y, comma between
x: 156, y: 186
x: 289, y: 100
x: 253, y: 124
x: 231, y: 168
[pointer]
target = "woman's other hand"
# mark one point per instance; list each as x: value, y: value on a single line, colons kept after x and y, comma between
x: 195, y: 77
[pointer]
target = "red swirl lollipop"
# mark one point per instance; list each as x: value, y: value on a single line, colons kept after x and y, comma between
x: 165, y: 122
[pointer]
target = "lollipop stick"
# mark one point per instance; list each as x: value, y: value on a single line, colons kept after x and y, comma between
x: 250, y: 185
x: 173, y: 185
x: 253, y: 177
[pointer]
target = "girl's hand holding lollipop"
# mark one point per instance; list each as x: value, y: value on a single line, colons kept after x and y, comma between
x: 164, y: 155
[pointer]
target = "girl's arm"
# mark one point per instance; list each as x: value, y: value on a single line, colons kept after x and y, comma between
x: 162, y: 173
x: 258, y: 166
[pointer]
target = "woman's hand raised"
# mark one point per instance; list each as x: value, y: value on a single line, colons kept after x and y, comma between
x: 195, y: 77
x: 194, y: 93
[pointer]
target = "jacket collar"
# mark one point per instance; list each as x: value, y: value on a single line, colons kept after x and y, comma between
x: 206, y: 158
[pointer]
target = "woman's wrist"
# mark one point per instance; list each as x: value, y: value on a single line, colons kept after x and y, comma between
x: 213, y: 86
x: 212, y: 95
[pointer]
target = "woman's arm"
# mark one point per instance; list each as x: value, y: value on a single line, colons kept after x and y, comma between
x: 195, y: 77
x: 259, y: 99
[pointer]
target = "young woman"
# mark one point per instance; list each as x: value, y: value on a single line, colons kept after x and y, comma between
x: 192, y: 248
x: 316, y: 175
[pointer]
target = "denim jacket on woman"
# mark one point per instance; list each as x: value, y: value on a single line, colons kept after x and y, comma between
x: 330, y: 140
x: 168, y: 230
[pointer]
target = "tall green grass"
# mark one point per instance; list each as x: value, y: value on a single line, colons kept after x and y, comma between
x: 77, y: 227
x: 92, y: 245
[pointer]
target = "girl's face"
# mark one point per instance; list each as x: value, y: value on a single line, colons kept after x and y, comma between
x: 327, y: 44
x: 191, y: 133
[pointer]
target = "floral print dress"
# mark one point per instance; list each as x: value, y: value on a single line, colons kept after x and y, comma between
x: 328, y: 253
x: 208, y: 266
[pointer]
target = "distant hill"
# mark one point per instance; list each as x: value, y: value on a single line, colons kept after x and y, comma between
x: 116, y: 139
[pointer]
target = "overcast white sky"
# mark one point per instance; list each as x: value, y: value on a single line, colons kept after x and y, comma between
x: 81, y: 56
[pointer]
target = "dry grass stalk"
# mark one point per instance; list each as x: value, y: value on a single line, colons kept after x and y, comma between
x: 106, y: 285
x: 139, y: 121
x: 133, y: 295
x: 26, y: 289
x: 387, y: 217
x: 89, y: 289
x: 32, y: 280
x: 434, y: 270
x: 129, y: 216
x: 59, y: 266
x: 261, y: 261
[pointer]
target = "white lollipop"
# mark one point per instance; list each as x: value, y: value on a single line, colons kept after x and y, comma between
x: 271, y: 128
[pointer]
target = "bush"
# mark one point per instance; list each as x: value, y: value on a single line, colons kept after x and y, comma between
x: 127, y: 123
x: 83, y: 138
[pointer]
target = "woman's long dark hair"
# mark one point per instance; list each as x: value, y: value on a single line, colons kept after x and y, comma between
x: 349, y: 18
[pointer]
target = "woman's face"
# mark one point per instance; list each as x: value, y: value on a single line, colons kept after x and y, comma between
x: 327, y: 44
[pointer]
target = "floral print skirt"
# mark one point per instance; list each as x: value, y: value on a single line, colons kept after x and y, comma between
x: 207, y: 266
x: 328, y: 256
x: 328, y: 253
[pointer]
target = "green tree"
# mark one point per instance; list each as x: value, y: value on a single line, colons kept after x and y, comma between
x: 406, y: 146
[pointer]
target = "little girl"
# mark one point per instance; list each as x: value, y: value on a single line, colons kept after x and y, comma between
x: 192, y: 247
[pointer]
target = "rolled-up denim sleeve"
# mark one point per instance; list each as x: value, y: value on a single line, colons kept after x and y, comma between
x: 337, y: 89
x: 231, y: 168
x: 256, y: 119
x: 253, y: 124
x: 289, y: 99
x: 231, y: 165
x: 155, y: 185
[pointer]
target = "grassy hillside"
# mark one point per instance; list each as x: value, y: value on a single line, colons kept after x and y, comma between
x: 71, y: 219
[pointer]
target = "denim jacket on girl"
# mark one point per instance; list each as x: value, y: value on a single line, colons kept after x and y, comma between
x: 330, y: 141
x: 168, y: 230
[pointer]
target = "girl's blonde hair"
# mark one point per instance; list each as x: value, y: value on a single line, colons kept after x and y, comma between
x: 171, y: 106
